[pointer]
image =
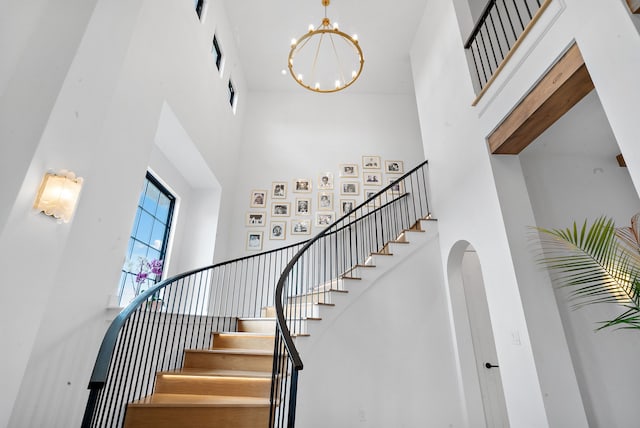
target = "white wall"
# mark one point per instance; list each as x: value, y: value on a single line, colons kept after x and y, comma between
x: 96, y: 110
x: 386, y: 359
x: 303, y: 134
x: 491, y: 208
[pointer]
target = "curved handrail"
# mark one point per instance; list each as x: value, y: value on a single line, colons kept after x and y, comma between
x: 102, y: 364
x: 281, y: 322
x: 101, y: 367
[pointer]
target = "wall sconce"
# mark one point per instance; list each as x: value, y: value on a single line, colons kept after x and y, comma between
x: 58, y: 195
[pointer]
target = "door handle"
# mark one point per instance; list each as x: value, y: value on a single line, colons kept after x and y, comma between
x: 490, y: 366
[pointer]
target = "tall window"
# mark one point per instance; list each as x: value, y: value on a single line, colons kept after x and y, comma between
x: 148, y: 240
x: 216, y: 52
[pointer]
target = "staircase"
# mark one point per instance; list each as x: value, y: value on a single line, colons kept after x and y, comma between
x: 225, y: 386
x: 228, y: 385
x: 160, y: 367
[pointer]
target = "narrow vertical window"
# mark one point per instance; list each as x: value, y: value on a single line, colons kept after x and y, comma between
x: 199, y: 5
x: 216, y: 52
x: 148, y: 240
x: 232, y: 94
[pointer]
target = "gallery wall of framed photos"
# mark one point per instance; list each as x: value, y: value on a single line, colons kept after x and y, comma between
x: 301, y: 206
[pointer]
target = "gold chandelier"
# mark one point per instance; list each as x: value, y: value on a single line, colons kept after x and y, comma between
x: 326, y: 59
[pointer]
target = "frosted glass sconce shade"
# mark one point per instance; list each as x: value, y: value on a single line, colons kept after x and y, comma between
x: 58, y: 195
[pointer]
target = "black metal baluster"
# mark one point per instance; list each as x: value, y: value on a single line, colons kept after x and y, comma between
x: 518, y: 13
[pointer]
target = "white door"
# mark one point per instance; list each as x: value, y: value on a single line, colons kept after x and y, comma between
x: 487, y: 363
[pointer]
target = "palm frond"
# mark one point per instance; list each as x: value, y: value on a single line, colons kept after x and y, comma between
x: 601, y: 264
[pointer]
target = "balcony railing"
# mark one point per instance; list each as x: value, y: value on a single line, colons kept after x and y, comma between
x: 501, y: 27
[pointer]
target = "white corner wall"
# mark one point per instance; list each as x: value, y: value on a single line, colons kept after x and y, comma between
x: 483, y: 199
x: 86, y: 94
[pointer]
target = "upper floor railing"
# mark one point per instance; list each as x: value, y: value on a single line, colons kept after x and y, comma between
x: 325, y: 262
x: 500, y: 28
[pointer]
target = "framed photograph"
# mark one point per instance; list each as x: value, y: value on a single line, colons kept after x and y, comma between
x: 350, y: 188
x: 278, y: 190
x: 370, y: 162
x: 397, y: 188
x: 325, y: 181
x: 349, y: 170
x: 325, y: 218
x: 372, y: 178
x: 281, y: 209
x: 254, y: 241
x: 302, y: 185
x: 325, y: 201
x: 302, y: 206
x: 393, y: 167
x: 301, y: 227
x: 370, y: 193
x: 278, y: 230
x: 255, y: 219
x: 346, y: 206
x: 258, y: 199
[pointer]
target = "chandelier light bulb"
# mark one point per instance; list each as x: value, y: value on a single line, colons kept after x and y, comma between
x: 335, y: 26
x: 293, y: 42
x: 300, y: 77
x: 354, y: 74
x: 355, y: 37
x: 317, y: 85
x: 311, y: 27
x: 337, y: 83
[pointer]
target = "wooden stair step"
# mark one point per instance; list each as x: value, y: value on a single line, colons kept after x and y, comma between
x: 213, y: 382
x: 197, y: 411
x: 229, y: 359
x: 243, y: 340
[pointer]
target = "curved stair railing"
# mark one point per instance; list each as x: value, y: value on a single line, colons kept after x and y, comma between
x: 321, y: 266
x: 151, y: 334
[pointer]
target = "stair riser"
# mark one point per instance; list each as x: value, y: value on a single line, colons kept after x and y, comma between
x: 195, y: 417
x: 295, y: 311
x: 238, y: 387
x: 257, y: 326
x: 227, y: 341
x: 204, y: 360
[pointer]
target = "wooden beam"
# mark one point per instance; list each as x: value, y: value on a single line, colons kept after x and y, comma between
x: 634, y: 5
x: 560, y: 89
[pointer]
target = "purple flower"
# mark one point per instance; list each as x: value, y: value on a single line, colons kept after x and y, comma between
x: 141, y: 276
x: 156, y: 266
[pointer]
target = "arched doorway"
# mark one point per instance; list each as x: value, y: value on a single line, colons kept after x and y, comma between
x: 478, y: 361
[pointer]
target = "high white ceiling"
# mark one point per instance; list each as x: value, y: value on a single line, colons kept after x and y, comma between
x: 263, y: 31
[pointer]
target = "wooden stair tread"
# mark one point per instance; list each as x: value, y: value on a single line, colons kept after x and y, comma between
x: 216, y: 372
x: 245, y: 333
x: 256, y: 319
x: 194, y: 400
x: 381, y: 254
x: 231, y: 351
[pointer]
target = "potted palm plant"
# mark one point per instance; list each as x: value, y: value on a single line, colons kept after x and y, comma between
x: 599, y: 263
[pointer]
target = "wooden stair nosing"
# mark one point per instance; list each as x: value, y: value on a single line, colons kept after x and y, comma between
x: 217, y: 372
